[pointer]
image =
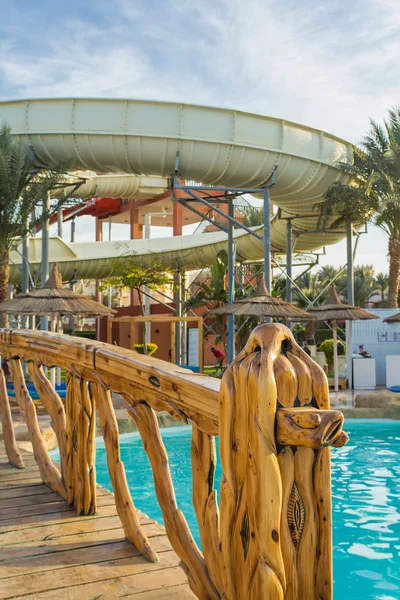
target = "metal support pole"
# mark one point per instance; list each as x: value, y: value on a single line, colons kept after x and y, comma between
x: 231, y: 288
x: 147, y: 298
x: 178, y: 308
x: 25, y: 272
x: 267, y: 240
x: 60, y: 223
x: 44, y: 321
x: 289, y: 296
x: 73, y: 230
x: 109, y: 239
x: 184, y: 324
x: 350, y: 300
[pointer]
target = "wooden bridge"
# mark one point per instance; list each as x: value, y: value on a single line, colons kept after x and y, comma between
x: 269, y: 536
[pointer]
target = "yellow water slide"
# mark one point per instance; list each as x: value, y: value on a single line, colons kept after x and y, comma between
x: 216, y: 146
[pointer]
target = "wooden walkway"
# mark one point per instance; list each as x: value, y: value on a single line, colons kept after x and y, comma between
x: 48, y: 552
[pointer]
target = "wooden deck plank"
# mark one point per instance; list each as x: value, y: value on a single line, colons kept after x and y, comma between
x: 35, y: 509
x: 22, y: 491
x: 65, y: 515
x: 75, y: 558
x: 60, y: 578
x: 177, y: 592
x: 48, y: 552
x: 72, y: 542
x: 151, y: 581
x: 42, y: 497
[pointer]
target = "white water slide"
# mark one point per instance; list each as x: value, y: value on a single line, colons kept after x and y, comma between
x: 216, y: 147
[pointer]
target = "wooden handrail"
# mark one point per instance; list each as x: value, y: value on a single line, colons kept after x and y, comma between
x: 270, y: 535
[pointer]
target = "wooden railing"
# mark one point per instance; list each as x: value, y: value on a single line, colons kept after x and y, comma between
x: 270, y: 534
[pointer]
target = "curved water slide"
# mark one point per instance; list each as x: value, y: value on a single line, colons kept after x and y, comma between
x: 216, y: 147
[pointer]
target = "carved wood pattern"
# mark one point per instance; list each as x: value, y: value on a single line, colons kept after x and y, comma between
x: 296, y: 515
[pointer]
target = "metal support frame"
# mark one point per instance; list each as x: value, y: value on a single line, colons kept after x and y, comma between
x: 178, y: 309
x: 73, y: 230
x: 289, y: 260
x: 44, y: 321
x: 231, y: 287
x: 25, y: 271
x: 227, y: 196
x: 350, y: 300
x: 267, y: 240
x: 183, y: 359
x: 60, y: 223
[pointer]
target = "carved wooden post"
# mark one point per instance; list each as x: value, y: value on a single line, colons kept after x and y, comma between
x: 12, y: 451
x: 80, y: 445
x: 49, y: 473
x: 251, y: 486
x: 175, y: 523
x: 123, y: 501
x: 275, y: 429
x: 204, y: 462
x: 55, y: 408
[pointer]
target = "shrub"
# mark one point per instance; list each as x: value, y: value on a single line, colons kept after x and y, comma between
x: 90, y: 335
x: 151, y: 348
x: 327, y: 348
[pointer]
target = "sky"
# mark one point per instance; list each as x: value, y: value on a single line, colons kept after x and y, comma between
x: 330, y: 64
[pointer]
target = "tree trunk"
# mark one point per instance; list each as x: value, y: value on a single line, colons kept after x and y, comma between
x: 310, y: 332
x: 394, y: 269
x: 4, y: 280
x: 143, y: 324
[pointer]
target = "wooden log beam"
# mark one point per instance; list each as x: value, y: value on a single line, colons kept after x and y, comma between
x: 183, y: 393
x: 49, y: 473
x: 126, y: 509
x: 13, y: 454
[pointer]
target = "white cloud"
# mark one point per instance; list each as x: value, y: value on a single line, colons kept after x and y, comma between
x: 329, y: 65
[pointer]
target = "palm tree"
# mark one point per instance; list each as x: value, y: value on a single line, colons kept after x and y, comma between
x: 212, y: 294
x: 364, y: 284
x: 253, y: 216
x: 23, y: 186
x: 310, y: 285
x: 373, y: 192
x: 381, y: 281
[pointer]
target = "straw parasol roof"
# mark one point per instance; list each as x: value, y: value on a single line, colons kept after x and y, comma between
x: 51, y: 299
x: 393, y: 319
x: 335, y: 310
x: 262, y: 304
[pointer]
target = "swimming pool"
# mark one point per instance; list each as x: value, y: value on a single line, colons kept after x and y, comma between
x: 366, y: 501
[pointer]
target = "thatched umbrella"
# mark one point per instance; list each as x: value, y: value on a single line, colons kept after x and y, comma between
x: 262, y: 304
x: 54, y: 299
x: 334, y: 310
x: 393, y: 319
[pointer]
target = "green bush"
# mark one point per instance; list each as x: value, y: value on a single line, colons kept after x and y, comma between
x: 90, y: 335
x: 151, y: 348
x: 327, y: 348
x: 322, y: 334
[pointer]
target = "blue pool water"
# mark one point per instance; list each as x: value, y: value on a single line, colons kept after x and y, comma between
x: 366, y: 501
